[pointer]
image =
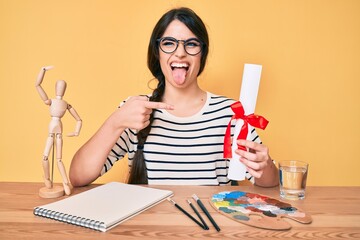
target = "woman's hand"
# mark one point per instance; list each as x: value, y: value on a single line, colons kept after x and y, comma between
x: 258, y: 163
x: 256, y: 159
x: 135, y: 112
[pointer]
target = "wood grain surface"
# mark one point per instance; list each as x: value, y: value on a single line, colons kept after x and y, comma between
x: 335, y: 212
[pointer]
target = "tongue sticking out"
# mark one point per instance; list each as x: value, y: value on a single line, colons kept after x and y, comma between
x: 179, y: 75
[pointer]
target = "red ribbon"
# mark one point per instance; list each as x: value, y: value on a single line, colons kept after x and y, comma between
x: 252, y: 119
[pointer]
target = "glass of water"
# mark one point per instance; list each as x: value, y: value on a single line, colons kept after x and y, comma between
x: 293, y: 175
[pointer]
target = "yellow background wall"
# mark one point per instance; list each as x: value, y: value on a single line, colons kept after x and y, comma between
x: 310, y: 52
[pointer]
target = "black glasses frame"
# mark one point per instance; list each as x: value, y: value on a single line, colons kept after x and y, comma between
x: 185, y: 42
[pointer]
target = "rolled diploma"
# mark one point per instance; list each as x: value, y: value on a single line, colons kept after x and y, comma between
x: 248, y: 95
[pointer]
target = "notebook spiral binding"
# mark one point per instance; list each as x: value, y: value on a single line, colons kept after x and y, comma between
x: 79, y: 221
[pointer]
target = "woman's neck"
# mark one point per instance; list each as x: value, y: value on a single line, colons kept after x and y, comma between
x: 186, y: 102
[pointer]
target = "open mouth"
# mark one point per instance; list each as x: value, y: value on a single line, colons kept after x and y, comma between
x: 179, y: 72
x: 180, y: 65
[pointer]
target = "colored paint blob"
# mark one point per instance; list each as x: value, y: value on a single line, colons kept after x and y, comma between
x: 240, y: 205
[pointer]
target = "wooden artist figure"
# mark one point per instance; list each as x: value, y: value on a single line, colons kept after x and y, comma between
x: 58, y: 108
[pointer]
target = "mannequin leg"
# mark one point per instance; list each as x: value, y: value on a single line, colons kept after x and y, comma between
x: 45, y: 161
x: 61, y: 165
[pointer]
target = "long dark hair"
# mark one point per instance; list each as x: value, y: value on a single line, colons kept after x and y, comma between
x: 138, y: 173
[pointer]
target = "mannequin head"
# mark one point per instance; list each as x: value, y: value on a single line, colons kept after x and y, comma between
x: 60, y: 88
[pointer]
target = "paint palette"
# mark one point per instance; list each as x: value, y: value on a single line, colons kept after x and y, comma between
x: 257, y: 210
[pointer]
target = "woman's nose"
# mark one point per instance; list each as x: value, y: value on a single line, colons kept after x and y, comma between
x: 180, y: 51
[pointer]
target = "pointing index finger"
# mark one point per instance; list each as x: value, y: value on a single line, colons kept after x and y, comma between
x: 159, y: 105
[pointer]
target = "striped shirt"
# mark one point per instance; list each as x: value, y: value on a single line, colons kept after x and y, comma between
x: 183, y: 150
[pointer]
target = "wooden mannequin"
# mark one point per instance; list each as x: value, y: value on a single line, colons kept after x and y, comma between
x: 58, y: 108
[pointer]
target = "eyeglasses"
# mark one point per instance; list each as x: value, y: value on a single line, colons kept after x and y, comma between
x: 169, y: 45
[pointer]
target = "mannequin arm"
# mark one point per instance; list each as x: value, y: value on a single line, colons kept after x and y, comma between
x: 78, y: 122
x: 38, y: 87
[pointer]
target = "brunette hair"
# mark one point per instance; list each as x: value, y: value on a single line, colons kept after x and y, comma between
x: 138, y: 173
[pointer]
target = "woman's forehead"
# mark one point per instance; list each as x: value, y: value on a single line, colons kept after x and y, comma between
x: 178, y: 30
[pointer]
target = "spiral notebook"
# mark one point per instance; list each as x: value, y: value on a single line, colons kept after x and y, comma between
x: 103, y: 207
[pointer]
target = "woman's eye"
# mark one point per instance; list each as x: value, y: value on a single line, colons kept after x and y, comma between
x: 192, y: 44
x: 168, y: 43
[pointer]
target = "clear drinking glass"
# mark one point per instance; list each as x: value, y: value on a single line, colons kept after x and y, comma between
x: 293, y: 175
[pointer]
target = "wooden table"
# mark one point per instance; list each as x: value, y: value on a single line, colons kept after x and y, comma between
x: 335, y: 212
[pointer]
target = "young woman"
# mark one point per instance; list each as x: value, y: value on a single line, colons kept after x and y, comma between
x: 176, y: 135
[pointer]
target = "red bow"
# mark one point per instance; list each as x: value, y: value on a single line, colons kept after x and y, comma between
x: 252, y: 119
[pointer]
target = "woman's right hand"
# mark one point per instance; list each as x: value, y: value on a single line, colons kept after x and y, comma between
x: 135, y: 112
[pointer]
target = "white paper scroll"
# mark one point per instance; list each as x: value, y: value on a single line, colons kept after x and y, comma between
x: 248, y: 95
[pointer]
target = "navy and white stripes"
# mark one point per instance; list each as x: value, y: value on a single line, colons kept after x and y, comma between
x: 183, y: 150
